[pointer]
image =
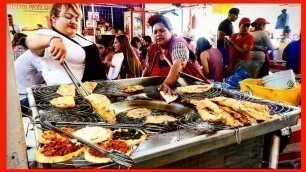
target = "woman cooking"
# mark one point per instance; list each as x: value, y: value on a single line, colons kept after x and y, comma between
x: 169, y: 55
x: 62, y: 42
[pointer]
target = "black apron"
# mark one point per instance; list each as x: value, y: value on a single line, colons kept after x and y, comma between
x: 93, y: 67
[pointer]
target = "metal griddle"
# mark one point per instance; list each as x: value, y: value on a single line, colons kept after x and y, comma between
x: 161, y: 149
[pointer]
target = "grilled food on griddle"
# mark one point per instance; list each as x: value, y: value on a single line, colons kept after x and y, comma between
x: 97, y: 157
x: 130, y: 136
x: 93, y: 134
x: 63, y: 102
x: 239, y: 107
x: 195, y: 88
x: 66, y: 90
x: 131, y: 88
x: 138, y: 113
x: 58, y: 151
x: 161, y: 119
x: 101, y: 105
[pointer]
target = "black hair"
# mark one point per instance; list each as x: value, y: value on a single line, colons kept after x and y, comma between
x: 102, y: 42
x: 9, y: 15
x: 202, y: 45
x: 134, y: 41
x: 147, y: 39
x: 22, y: 42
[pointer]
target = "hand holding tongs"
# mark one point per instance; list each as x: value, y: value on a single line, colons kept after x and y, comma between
x: 117, y: 156
x: 76, y: 81
x: 154, y: 128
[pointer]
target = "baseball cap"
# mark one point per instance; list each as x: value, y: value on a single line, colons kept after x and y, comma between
x: 245, y: 20
x: 261, y: 21
x: 234, y: 11
x: 160, y: 19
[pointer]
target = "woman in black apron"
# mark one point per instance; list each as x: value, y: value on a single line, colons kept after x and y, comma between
x: 65, y: 19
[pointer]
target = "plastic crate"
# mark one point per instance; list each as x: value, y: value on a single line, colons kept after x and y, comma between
x: 289, y: 96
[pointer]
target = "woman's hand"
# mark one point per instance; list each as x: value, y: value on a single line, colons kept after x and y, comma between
x: 164, y: 87
x: 228, y: 41
x: 58, y: 49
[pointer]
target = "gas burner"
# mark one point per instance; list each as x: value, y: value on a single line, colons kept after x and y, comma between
x: 69, y: 116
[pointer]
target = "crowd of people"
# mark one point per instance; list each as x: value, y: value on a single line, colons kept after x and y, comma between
x: 159, y: 54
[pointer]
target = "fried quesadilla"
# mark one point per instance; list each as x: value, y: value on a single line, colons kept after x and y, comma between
x: 101, y: 105
x: 63, y: 102
x: 195, y: 88
x: 131, y: 88
x: 66, y: 90
x: 138, y: 113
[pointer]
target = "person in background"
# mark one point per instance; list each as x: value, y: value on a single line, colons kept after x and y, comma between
x: 112, y: 31
x: 28, y: 73
x: 16, y: 28
x: 188, y: 38
x: 145, y: 44
x: 20, y: 48
x: 63, y: 43
x: 131, y: 66
x: 106, y: 54
x: 16, y: 38
x: 136, y: 44
x: 169, y: 55
x: 262, y: 43
x: 286, y: 35
x: 240, y: 44
x: 225, y: 29
x: 210, y: 59
x: 292, y: 54
x: 120, y: 32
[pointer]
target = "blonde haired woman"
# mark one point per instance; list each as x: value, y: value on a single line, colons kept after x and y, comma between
x: 62, y: 42
x: 131, y: 66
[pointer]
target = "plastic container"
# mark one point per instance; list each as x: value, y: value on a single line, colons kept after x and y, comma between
x: 280, y: 80
x: 290, y: 96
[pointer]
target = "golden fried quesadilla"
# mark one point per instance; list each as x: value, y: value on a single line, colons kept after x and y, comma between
x: 63, y: 102
x: 101, y: 105
x: 138, y: 113
x: 90, y: 86
x: 195, y: 88
x: 131, y: 88
x: 237, y: 106
x: 66, y: 90
x: 162, y: 119
x: 211, y: 112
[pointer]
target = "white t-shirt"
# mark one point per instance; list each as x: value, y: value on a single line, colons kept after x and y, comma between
x: 28, y: 72
x: 52, y: 71
x: 17, y: 28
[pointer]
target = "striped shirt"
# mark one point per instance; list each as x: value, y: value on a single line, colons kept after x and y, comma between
x: 180, y: 51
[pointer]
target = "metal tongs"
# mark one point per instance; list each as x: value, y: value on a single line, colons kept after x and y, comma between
x: 76, y: 81
x: 117, y: 156
x: 148, y: 127
x: 206, y: 81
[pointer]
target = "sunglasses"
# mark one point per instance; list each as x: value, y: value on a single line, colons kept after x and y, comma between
x: 246, y: 25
